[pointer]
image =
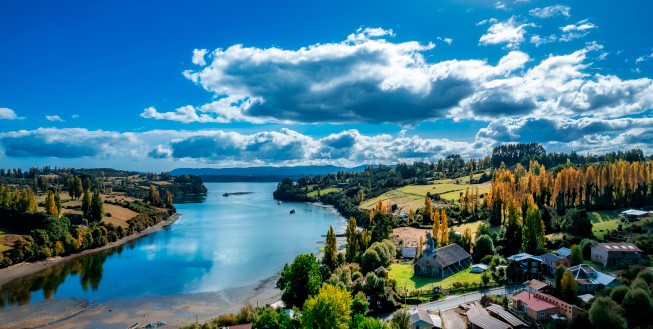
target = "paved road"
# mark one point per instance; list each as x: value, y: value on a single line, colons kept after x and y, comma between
x: 455, y: 300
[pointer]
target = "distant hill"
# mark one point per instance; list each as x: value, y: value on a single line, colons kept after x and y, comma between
x: 259, y: 174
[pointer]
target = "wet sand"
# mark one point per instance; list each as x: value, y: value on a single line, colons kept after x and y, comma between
x: 176, y: 310
x: 26, y: 268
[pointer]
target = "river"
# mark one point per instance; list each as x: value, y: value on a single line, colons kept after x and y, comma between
x: 219, y: 242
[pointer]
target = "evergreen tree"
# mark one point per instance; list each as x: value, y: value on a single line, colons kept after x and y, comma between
x: 78, y: 188
x: 533, y: 239
x: 86, y: 203
x: 330, y: 250
x: 576, y: 256
x: 97, y: 207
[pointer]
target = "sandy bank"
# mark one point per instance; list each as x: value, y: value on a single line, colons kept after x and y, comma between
x: 26, y: 268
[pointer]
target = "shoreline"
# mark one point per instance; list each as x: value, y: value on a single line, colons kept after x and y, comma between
x: 16, y: 271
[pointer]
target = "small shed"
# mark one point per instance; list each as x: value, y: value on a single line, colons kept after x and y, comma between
x: 479, y: 268
x: 408, y: 252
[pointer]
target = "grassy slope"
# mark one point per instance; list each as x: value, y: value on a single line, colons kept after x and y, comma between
x: 325, y: 191
x: 605, y: 220
x: 401, y: 272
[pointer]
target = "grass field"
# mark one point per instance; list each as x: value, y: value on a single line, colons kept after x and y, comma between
x: 412, y: 196
x: 605, y: 220
x: 3, y: 233
x: 401, y: 272
x: 325, y: 191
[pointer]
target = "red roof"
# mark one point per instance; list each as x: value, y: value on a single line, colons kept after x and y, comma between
x: 533, y: 302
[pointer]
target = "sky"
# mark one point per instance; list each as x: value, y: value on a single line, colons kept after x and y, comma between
x: 158, y: 85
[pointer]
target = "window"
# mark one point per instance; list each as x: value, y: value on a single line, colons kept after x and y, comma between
x: 541, y: 314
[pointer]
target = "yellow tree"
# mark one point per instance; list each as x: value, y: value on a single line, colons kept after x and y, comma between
x: 467, y: 240
x: 427, y: 213
x: 420, y: 248
x: 436, y: 228
x: 411, y: 216
x: 50, y: 204
x: 329, y: 309
x: 444, y: 228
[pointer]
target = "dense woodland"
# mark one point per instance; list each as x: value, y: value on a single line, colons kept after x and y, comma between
x: 42, y: 229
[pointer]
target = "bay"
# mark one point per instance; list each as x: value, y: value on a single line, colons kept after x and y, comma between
x: 219, y: 242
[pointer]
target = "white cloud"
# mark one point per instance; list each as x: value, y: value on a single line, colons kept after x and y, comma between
x: 198, y: 56
x: 580, y: 26
x: 447, y: 40
x: 509, y: 32
x: 486, y: 21
x: 53, y: 118
x: 643, y: 58
x: 75, y: 116
x: 538, y: 40
x: 501, y: 5
x: 8, y: 114
x: 550, y: 11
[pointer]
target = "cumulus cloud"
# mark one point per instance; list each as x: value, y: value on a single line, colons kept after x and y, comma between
x: 643, y: 58
x: 550, y: 11
x: 53, y: 118
x: 159, y: 152
x: 8, y: 114
x: 580, y: 26
x: 509, y: 32
x: 501, y: 5
x: 198, y: 56
x: 538, y: 40
x: 67, y: 143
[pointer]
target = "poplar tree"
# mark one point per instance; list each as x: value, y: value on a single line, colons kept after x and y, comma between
x: 27, y: 201
x: 78, y: 188
x: 444, y: 228
x: 428, y: 208
x: 436, y: 228
x: 330, y: 250
x: 57, y: 201
x: 86, y: 203
x: 533, y: 238
x: 50, y: 204
x: 97, y: 207
x: 352, y: 241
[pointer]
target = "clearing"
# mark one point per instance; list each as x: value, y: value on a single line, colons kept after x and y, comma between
x: 325, y: 191
x: 412, y: 196
x: 401, y: 272
x: 605, y: 220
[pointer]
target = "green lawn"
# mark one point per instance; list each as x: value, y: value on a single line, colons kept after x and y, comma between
x: 605, y: 220
x: 325, y: 191
x: 401, y: 272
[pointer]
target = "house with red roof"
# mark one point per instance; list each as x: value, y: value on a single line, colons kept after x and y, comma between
x: 540, y: 306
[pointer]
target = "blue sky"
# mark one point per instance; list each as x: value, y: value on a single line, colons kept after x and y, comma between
x: 156, y: 85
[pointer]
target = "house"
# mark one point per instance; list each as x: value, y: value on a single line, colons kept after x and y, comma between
x: 531, y: 265
x: 551, y: 262
x: 442, y: 262
x: 539, y: 306
x: 408, y: 252
x: 479, y: 268
x: 421, y: 319
x: 502, y: 314
x: 536, y: 286
x: 591, y: 280
x: 616, y: 254
x: 634, y: 215
x: 479, y: 318
x: 563, y: 252
x: 381, y: 269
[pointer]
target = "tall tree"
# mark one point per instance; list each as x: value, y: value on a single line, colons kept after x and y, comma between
x: 300, y: 280
x: 569, y: 287
x: 50, y: 204
x: 352, y: 241
x: 329, y: 309
x: 57, y: 201
x: 169, y: 200
x: 436, y: 228
x: 444, y: 228
x: 26, y: 201
x: 86, y: 203
x: 97, y: 207
x: 467, y: 240
x: 606, y: 314
x: 79, y: 188
x: 427, y: 212
x: 576, y: 255
x: 533, y: 239
x: 330, y: 250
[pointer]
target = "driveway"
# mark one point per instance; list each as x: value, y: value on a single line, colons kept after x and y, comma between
x: 452, y: 319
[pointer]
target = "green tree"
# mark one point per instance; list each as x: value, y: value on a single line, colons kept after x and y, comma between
x: 580, y: 321
x: 78, y: 187
x: 27, y: 201
x: 618, y: 293
x: 559, y: 274
x: 329, y: 309
x: 300, y: 280
x: 352, y: 241
x: 576, y: 255
x: 330, y: 250
x: 638, y: 307
x: 86, y: 204
x: 569, y: 291
x: 360, y: 305
x: 169, y: 200
x: 606, y: 314
x: 359, y: 321
x: 400, y: 320
x: 380, y: 227
x: 57, y: 201
x: 533, y: 239
x: 97, y: 207
x: 485, y: 277
x: 483, y: 247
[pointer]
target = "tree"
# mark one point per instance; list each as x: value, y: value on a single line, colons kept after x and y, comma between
x: 606, y: 314
x: 484, y: 246
x: 559, y: 274
x: 300, y: 280
x: 330, y: 250
x: 97, y: 207
x: 618, y: 293
x: 569, y: 287
x: 57, y: 201
x: 444, y: 228
x: 329, y: 309
x: 576, y: 255
x: 352, y: 241
x: 78, y: 187
x: 380, y: 227
x: 50, y: 204
x: 400, y: 320
x: 427, y: 212
x: 467, y: 240
x: 27, y: 201
x: 533, y: 239
x: 513, y: 228
x: 580, y: 321
x: 86, y: 204
x: 169, y: 200
x: 638, y: 307
x: 485, y: 277
x: 153, y: 195
x: 436, y: 228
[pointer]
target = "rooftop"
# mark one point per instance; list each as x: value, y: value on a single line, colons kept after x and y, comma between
x: 634, y: 212
x: 564, y: 252
x: 450, y: 254
x: 619, y: 247
x: 488, y: 322
x: 506, y: 316
x: 533, y: 302
x: 421, y: 316
x: 475, y: 311
x: 536, y: 284
x: 550, y: 257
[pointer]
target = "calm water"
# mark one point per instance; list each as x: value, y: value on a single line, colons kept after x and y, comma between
x: 218, y: 243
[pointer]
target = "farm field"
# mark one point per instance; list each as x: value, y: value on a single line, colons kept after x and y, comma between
x: 412, y: 196
x: 605, y: 220
x: 401, y: 272
x: 325, y: 191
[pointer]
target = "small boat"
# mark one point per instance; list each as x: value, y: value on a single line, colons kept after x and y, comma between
x: 292, y: 211
x: 279, y: 202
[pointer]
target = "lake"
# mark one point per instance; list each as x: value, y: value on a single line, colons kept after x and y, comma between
x: 218, y: 243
